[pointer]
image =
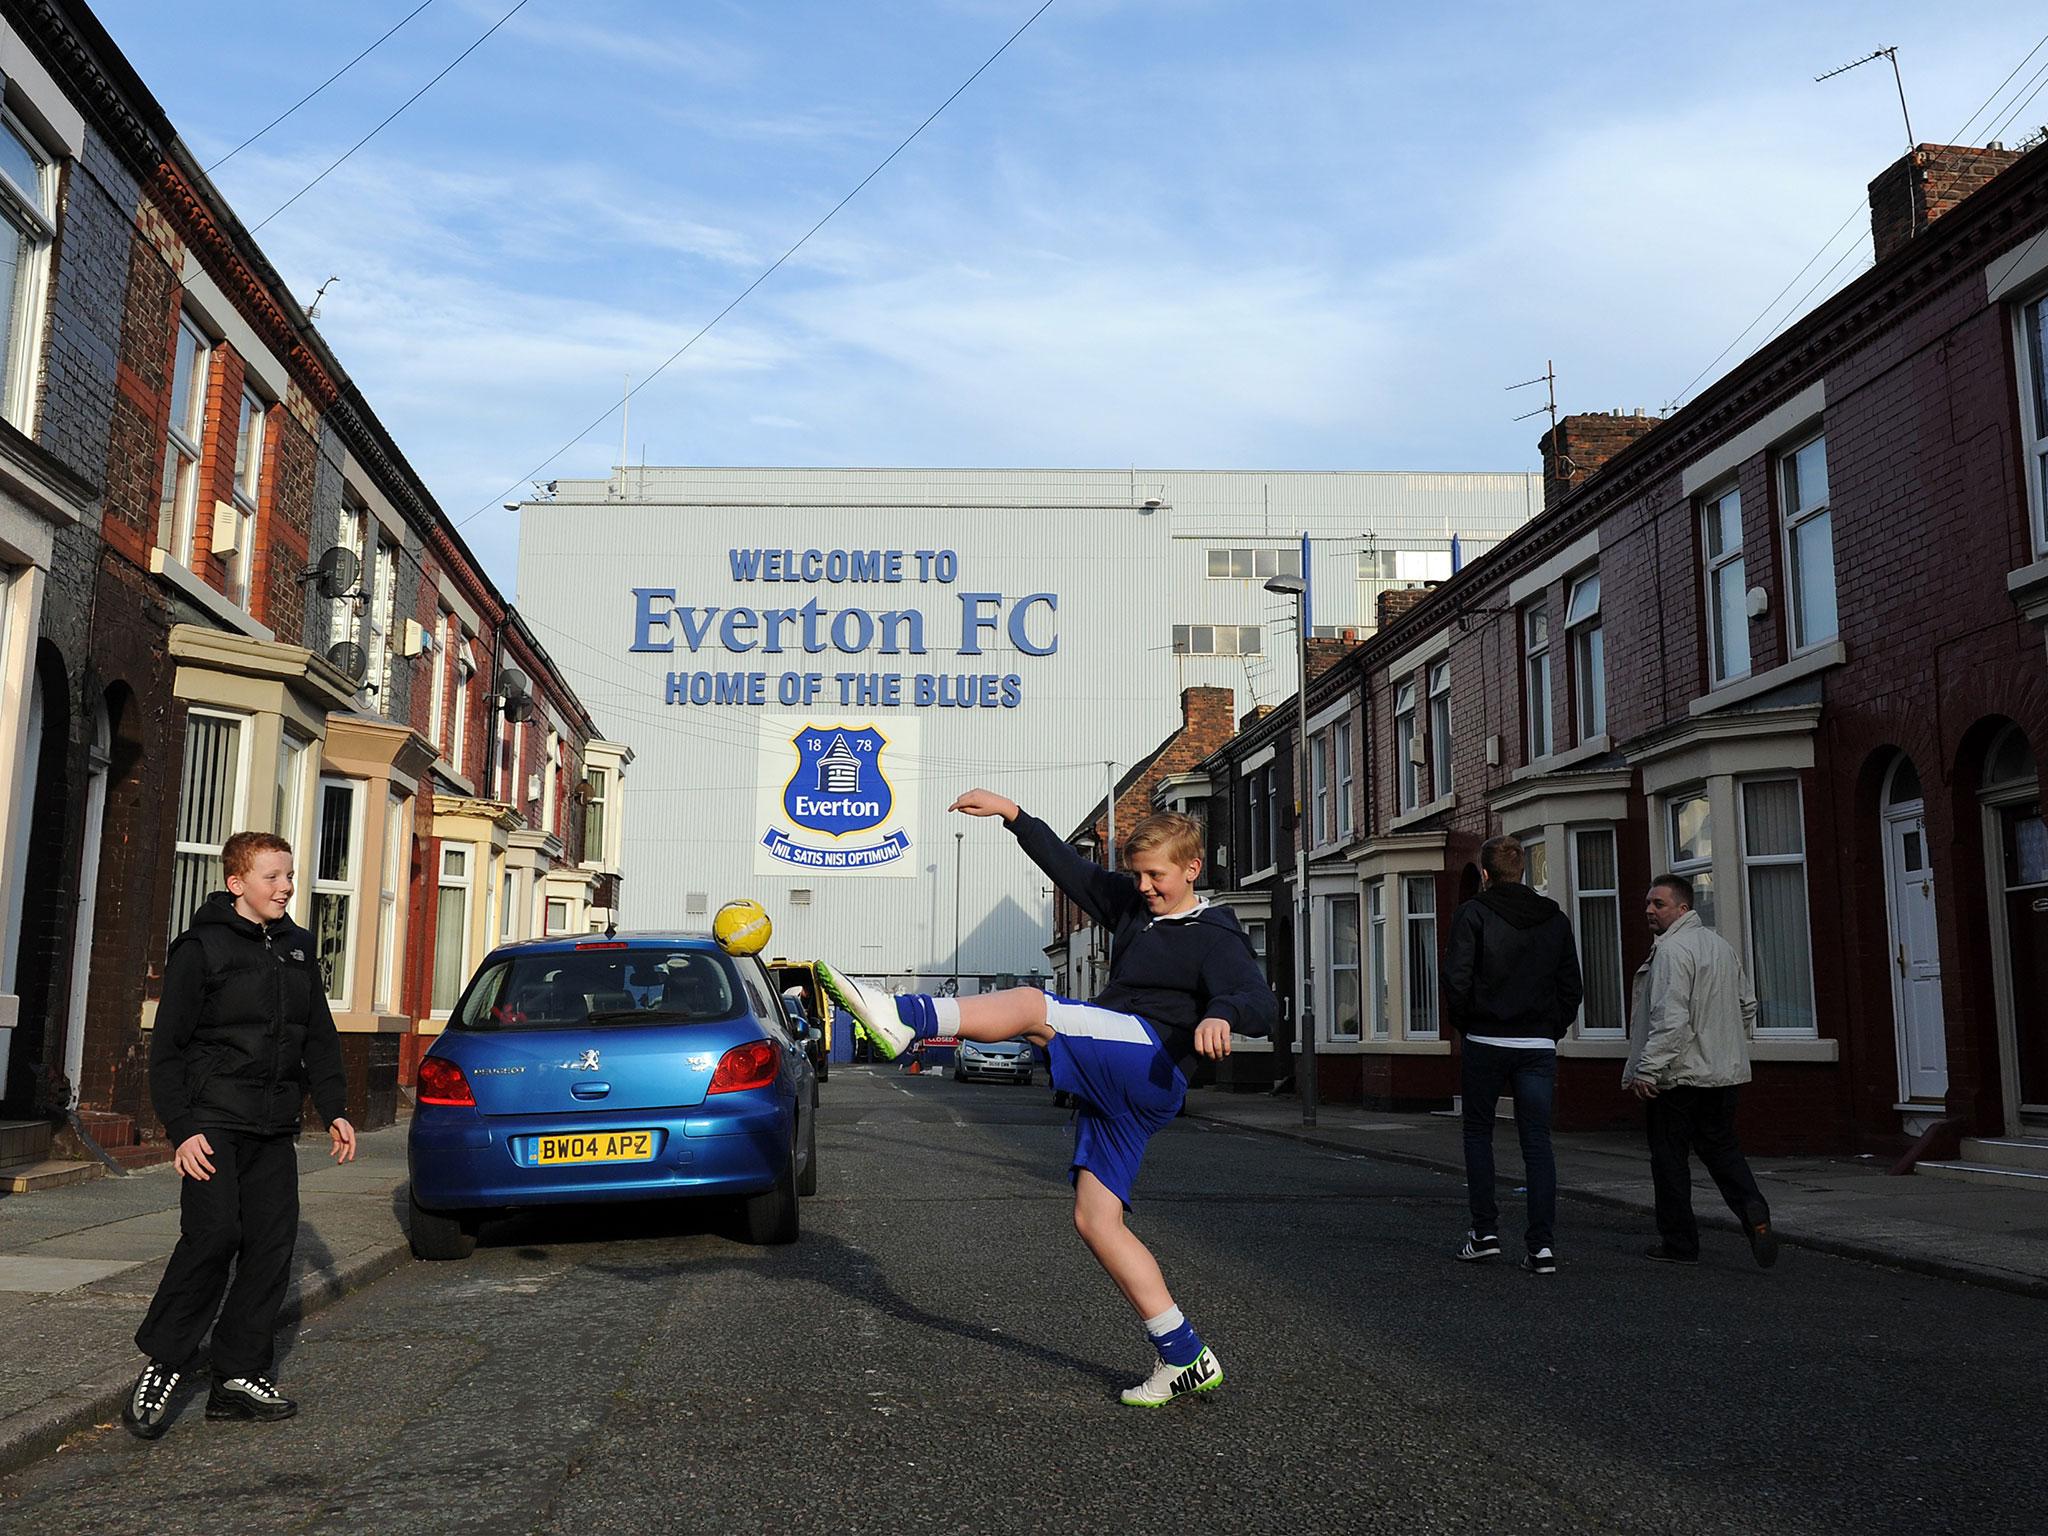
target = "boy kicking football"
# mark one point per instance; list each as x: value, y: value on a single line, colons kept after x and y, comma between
x: 1182, y: 977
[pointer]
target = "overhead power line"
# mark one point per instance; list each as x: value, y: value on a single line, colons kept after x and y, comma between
x: 288, y: 111
x: 415, y: 96
x: 705, y: 329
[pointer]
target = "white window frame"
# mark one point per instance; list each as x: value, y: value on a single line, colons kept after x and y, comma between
x: 444, y: 660
x: 184, y: 445
x: 508, y: 899
x: 550, y: 769
x: 1334, y: 923
x: 1243, y: 640
x: 183, y: 848
x: 381, y: 582
x: 1588, y: 646
x: 340, y: 987
x: 1344, y: 779
x: 1376, y: 992
x: 1799, y: 626
x: 1536, y: 678
x: 1717, y: 568
x: 458, y: 731
x: 1535, y: 850
x: 548, y: 925
x: 1319, y: 771
x: 1441, y: 766
x: 2030, y: 318
x: 353, y: 535
x: 1241, y: 563
x: 1582, y: 893
x: 1407, y: 781
x: 390, y: 890
x: 1259, y: 829
x: 597, y: 798
x: 1693, y: 868
x: 295, y: 755
x: 1424, y: 1013
x: 466, y: 883
x: 1750, y: 862
x: 251, y: 434
x: 31, y: 212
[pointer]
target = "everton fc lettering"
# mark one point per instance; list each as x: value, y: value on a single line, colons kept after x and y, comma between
x: 976, y: 620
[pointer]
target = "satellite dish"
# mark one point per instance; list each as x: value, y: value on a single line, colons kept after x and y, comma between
x: 345, y: 655
x: 512, y: 683
x: 518, y: 709
x: 338, y: 572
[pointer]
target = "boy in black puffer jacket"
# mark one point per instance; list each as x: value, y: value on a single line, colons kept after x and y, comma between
x: 242, y: 1031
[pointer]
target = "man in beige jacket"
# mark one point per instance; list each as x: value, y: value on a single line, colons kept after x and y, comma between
x: 1689, y: 1026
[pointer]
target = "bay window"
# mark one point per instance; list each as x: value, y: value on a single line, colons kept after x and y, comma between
x: 335, y: 865
x: 1691, y: 841
x: 1419, y: 903
x: 212, y: 801
x: 1342, y: 927
x: 451, y: 925
x: 390, y: 883
x: 1376, y: 956
x: 1774, y: 883
x: 1596, y: 895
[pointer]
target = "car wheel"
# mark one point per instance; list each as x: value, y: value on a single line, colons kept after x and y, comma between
x: 807, y: 1181
x: 824, y: 1069
x: 959, y: 1074
x: 435, y: 1235
x: 771, y: 1216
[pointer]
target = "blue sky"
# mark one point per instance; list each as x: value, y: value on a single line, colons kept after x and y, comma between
x: 1163, y: 232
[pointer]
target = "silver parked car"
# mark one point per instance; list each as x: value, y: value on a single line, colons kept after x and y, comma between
x: 1009, y: 1061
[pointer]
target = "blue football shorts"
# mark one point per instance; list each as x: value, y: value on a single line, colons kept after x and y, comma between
x: 1126, y: 1087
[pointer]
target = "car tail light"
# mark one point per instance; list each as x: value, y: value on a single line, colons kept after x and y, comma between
x: 442, y: 1082
x: 745, y: 1066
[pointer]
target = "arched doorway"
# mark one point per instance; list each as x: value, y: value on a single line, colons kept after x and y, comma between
x: 2011, y: 796
x: 1915, y: 947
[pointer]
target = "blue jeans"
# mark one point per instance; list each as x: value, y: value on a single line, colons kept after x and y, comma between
x: 1531, y: 1076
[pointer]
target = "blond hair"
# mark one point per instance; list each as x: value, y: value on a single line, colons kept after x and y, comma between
x: 1178, y: 836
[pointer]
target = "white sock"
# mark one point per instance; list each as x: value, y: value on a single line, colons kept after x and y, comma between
x: 1164, y: 1323
x: 946, y: 1014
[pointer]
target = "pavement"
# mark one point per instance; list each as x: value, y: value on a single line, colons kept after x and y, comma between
x: 79, y: 1265
x: 1848, y: 1206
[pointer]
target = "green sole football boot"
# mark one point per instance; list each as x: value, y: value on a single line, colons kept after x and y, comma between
x: 874, y: 1012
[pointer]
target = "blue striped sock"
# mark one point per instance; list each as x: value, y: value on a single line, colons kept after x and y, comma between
x: 915, y: 1010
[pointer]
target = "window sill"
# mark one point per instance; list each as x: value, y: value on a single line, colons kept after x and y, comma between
x: 1422, y: 813
x: 176, y: 576
x: 1743, y: 689
x: 2029, y: 588
x: 1584, y: 752
x: 447, y: 774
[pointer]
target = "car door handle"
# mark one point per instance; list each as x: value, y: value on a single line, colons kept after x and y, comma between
x: 590, y: 1090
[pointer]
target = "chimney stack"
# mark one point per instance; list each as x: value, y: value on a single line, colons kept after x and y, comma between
x: 1922, y: 185
x: 1582, y: 444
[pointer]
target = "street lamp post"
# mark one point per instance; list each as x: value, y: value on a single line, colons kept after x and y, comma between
x: 958, y: 838
x: 1297, y: 588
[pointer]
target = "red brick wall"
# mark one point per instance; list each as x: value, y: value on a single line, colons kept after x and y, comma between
x: 1918, y: 188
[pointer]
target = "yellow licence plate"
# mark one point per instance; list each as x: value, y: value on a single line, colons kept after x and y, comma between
x: 597, y: 1147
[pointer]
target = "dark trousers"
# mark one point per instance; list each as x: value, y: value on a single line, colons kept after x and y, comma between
x: 1531, y: 1076
x: 1683, y: 1121
x: 246, y: 1217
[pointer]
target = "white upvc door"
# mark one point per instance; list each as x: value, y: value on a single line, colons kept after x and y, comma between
x: 1915, y: 957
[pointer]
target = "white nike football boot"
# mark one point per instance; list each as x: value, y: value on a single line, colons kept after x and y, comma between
x: 1171, y: 1381
x: 874, y: 1012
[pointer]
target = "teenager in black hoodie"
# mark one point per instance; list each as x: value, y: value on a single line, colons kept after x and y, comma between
x: 1182, y: 978
x: 1511, y: 976
x: 242, y: 1032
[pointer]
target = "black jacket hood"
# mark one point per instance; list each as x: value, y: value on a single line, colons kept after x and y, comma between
x: 1514, y: 903
x: 218, y: 910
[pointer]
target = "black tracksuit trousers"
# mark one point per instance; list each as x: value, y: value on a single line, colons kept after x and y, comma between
x: 246, y: 1217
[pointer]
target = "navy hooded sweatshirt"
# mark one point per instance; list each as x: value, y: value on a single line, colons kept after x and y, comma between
x: 1171, y: 972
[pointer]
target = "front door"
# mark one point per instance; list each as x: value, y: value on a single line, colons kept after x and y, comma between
x: 2025, y: 840
x: 1915, y: 958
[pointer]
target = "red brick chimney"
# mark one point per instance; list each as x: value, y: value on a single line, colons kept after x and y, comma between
x: 1919, y: 187
x: 1580, y: 445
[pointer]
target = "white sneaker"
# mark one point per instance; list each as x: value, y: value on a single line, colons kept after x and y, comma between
x: 874, y: 1012
x: 1171, y: 1381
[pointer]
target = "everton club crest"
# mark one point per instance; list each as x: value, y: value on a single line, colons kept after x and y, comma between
x: 837, y: 803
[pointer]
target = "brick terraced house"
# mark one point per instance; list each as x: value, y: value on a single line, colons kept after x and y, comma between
x: 1788, y: 641
x: 228, y: 601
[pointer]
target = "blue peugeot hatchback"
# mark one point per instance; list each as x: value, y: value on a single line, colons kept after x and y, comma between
x: 623, y: 1067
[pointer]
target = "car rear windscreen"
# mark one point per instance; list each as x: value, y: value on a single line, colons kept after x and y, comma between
x: 600, y: 987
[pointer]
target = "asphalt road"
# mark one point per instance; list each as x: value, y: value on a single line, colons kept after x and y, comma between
x: 938, y: 1353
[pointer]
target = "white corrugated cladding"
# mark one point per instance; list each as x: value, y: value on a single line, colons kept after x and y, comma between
x: 1125, y: 574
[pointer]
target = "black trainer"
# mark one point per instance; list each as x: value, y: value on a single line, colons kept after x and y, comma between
x: 1665, y: 1255
x: 1479, y: 1245
x: 248, y: 1397
x: 147, y: 1411
x: 1763, y: 1242
x: 1541, y: 1262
